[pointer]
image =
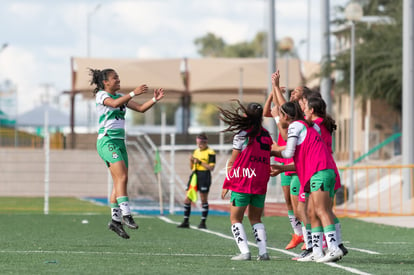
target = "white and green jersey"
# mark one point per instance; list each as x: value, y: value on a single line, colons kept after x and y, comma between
x: 111, y: 120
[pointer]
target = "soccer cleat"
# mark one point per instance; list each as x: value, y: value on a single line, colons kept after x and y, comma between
x: 312, y: 257
x: 343, y: 248
x: 118, y: 229
x: 242, y: 257
x: 296, y: 240
x: 202, y: 225
x: 184, y: 225
x: 304, y: 253
x: 333, y: 255
x: 303, y: 247
x: 263, y: 257
x: 129, y: 221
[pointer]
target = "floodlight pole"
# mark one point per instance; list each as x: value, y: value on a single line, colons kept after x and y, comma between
x: 352, y: 118
x: 353, y: 13
x: 408, y: 97
x: 271, y: 38
x: 325, y: 59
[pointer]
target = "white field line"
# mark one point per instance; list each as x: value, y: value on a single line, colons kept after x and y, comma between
x: 349, y: 269
x: 364, y: 251
x: 165, y: 219
x: 397, y: 243
x: 227, y: 236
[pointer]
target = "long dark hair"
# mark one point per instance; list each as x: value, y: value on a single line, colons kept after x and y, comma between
x: 293, y: 111
x: 243, y: 118
x: 319, y: 108
x: 98, y: 77
x: 309, y: 93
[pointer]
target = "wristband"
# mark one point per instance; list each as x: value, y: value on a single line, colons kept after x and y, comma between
x: 277, y: 119
x: 154, y: 100
x: 132, y: 94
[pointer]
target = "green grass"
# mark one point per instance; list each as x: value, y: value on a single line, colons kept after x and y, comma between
x: 59, y: 243
x: 56, y: 206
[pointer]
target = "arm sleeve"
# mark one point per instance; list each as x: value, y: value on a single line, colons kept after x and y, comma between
x: 290, y: 149
x: 239, y: 140
x: 292, y: 140
x: 101, y: 96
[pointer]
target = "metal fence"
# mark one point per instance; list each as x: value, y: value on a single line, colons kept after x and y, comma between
x: 376, y: 191
x: 367, y: 190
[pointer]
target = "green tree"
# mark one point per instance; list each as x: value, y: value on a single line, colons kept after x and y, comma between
x: 211, y: 45
x: 378, y: 54
x: 208, y: 114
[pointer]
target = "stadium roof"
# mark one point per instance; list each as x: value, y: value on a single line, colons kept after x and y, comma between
x: 210, y: 79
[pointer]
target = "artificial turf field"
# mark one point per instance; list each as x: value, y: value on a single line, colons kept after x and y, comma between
x: 59, y: 243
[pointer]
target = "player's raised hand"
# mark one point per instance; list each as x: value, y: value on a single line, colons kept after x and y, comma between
x: 159, y: 93
x: 141, y: 89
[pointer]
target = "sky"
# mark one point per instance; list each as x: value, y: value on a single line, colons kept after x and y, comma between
x: 42, y: 35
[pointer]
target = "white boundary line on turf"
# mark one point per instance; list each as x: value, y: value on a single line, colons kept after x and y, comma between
x: 349, y: 269
x: 226, y: 236
x: 393, y: 243
x: 364, y: 251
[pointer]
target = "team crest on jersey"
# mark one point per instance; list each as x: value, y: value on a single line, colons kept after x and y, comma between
x: 114, y: 155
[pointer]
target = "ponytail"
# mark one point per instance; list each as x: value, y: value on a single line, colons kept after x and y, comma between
x: 98, y: 77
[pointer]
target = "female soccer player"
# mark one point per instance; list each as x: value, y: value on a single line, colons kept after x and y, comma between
x: 315, y: 110
x: 287, y: 177
x: 316, y: 171
x: 248, y: 172
x: 111, y: 108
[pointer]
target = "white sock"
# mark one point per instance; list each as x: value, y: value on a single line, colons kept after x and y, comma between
x: 240, y: 237
x: 338, y: 233
x: 296, y: 225
x: 124, y: 205
x: 307, y: 237
x: 116, y: 214
x: 317, y: 243
x: 259, y: 232
x: 331, y: 239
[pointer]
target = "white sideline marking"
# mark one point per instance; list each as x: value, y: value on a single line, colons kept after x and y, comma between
x: 392, y: 242
x: 226, y: 236
x: 349, y: 269
x: 364, y: 251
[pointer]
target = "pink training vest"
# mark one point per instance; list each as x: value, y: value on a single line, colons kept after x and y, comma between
x: 327, y: 138
x: 312, y: 156
x: 251, y: 170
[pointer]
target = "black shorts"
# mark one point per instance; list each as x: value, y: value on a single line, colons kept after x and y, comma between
x: 203, y: 181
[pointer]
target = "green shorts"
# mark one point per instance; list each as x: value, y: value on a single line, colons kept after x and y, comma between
x: 243, y: 199
x: 295, y: 185
x: 112, y: 150
x: 285, y: 180
x: 324, y: 180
